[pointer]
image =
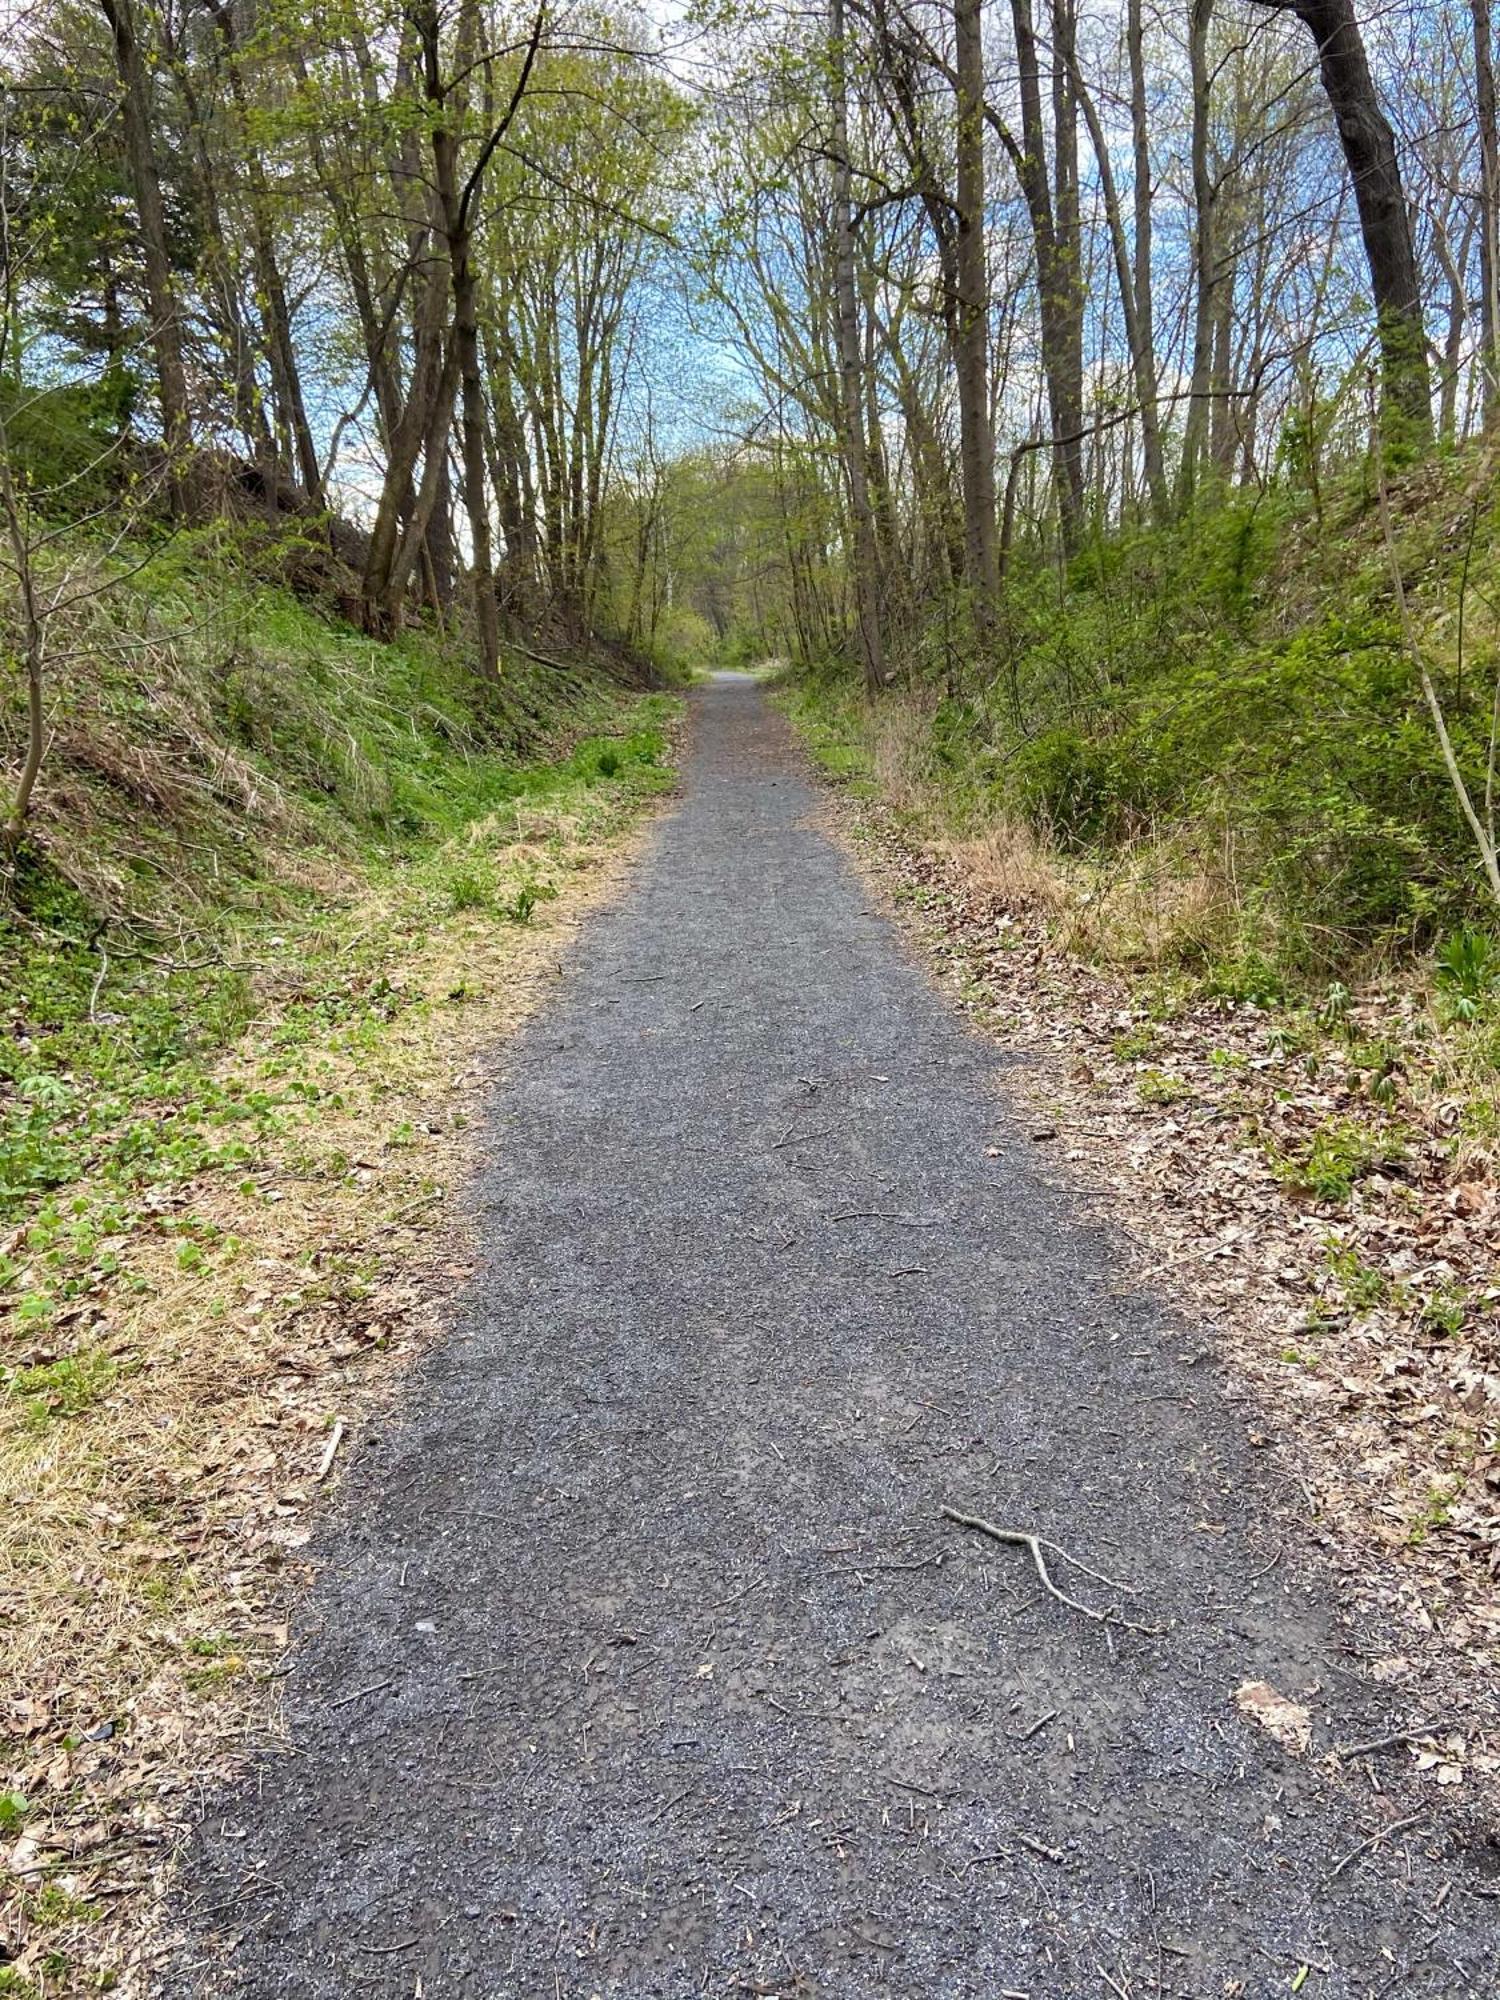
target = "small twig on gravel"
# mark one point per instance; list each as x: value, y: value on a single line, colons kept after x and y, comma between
x: 359, y: 1694
x: 330, y: 1452
x: 884, y: 1215
x: 1040, y: 1847
x: 1019, y: 1538
x: 1374, y: 1840
x: 1266, y: 1571
x: 791, y: 1138
x: 385, y: 1950
x: 725, y: 1602
x: 1025, y: 1735
x: 924, y: 1562
x: 1394, y: 1741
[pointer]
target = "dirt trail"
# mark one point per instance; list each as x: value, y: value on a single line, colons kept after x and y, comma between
x: 643, y: 1661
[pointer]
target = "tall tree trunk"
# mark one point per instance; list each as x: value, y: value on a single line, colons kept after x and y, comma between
x: 514, y: 489
x: 1056, y: 283
x: 1223, y: 433
x: 1144, y: 345
x: 276, y: 316
x: 1370, y: 151
x: 1489, y: 210
x: 431, y: 494
x: 1205, y: 251
x: 161, y: 290
x: 1068, y: 244
x: 427, y: 406
x: 976, y: 436
x: 846, y: 317
x: 1135, y: 306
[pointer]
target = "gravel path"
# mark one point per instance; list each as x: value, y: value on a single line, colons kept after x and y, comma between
x: 642, y: 1661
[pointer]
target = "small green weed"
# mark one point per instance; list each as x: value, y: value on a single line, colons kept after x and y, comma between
x: 522, y: 906
x: 1334, y: 1006
x: 1157, y: 1088
x: 1228, y: 1060
x: 1445, y: 1310
x: 1337, y: 1155
x: 1363, y: 1286
x: 52, y: 1905
x: 469, y: 889
x: 1468, y: 971
x: 66, y: 1387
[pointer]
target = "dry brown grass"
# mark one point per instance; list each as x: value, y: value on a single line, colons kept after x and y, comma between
x: 1153, y: 905
x: 1010, y: 869
x: 898, y: 737
x: 1155, y: 900
x: 150, y: 1542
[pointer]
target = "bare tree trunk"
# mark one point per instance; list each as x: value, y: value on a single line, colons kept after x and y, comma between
x: 1222, y: 430
x: 1489, y: 210
x: 1370, y: 151
x: 846, y: 316
x: 1144, y: 347
x: 285, y: 372
x: 976, y: 437
x: 514, y: 492
x: 1068, y: 250
x: 1134, y: 303
x: 161, y: 291
x: 1195, y: 430
x: 423, y: 403
x: 430, y: 495
x: 33, y: 650
x: 1056, y: 282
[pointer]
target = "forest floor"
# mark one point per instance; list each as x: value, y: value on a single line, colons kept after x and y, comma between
x: 656, y: 1647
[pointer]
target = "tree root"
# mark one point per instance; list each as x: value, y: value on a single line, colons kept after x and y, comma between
x: 1019, y: 1538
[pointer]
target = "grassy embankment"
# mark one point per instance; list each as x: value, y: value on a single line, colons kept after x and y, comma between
x: 286, y: 889
x: 1206, y: 758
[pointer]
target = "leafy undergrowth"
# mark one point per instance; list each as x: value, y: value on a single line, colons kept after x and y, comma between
x: 1208, y: 741
x: 247, y: 1029
x: 1317, y: 1182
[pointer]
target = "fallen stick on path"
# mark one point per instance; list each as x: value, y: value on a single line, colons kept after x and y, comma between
x: 1395, y: 1741
x: 1019, y: 1538
x: 330, y: 1452
x: 1374, y: 1840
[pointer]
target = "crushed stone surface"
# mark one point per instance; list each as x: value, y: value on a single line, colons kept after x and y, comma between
x: 642, y: 1660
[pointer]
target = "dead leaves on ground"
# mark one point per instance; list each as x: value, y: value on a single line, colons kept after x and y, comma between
x: 1289, y: 1722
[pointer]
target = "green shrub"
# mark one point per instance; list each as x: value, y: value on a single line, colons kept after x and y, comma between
x: 1074, y: 785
